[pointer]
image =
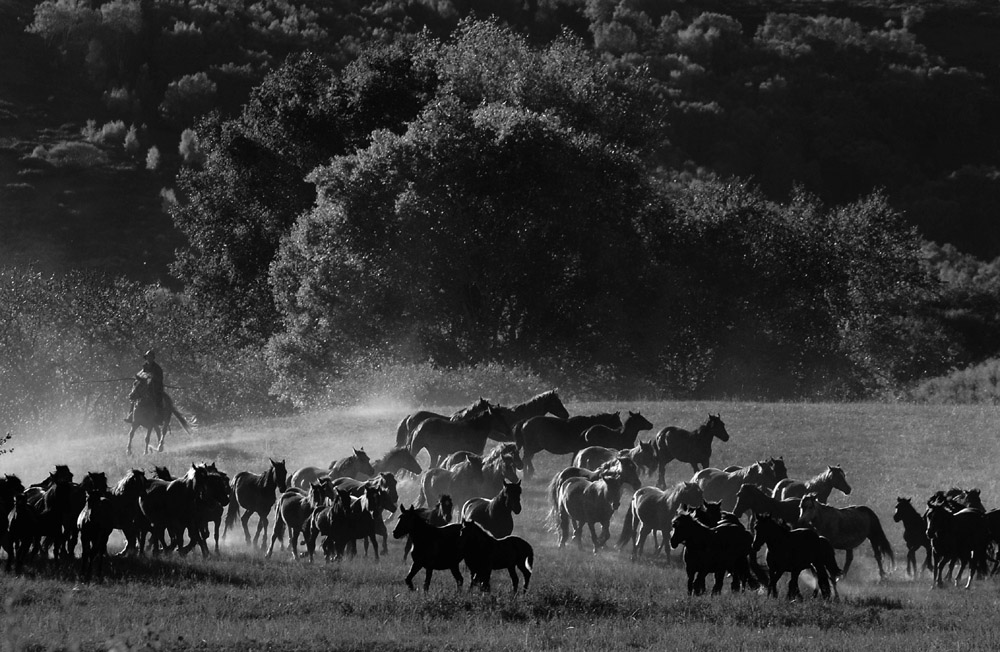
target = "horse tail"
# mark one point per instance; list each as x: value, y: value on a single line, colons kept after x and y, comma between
x: 876, y: 535
x: 628, y: 526
x: 518, y: 432
x: 402, y: 432
x: 529, y: 557
x: 278, y: 530
x: 829, y: 560
x: 553, y: 490
x: 422, y: 496
x: 190, y: 424
x: 233, y: 511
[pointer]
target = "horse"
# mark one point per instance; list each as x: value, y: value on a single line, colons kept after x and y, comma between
x: 388, y: 498
x: 624, y: 468
x: 255, y: 493
x: 498, y: 469
x: 331, y: 520
x: 24, y: 530
x: 846, y: 528
x: 294, y: 509
x: 623, y: 437
x: 95, y: 523
x: 652, y: 510
x: 536, y: 406
x: 173, y: 507
x: 57, y: 508
x: 438, y: 515
x: 753, y: 499
x: 357, y: 465
x: 588, y: 502
x: 146, y: 415
x: 213, y: 502
x: 361, y: 519
x: 717, y: 550
x: 128, y: 518
x: 555, y: 435
x: 821, y: 486
x: 593, y: 456
x: 484, y: 553
x: 461, y: 482
x: 10, y: 488
x: 434, y: 548
x: 508, y: 449
x: 410, y: 422
x: 914, y: 535
x: 695, y: 448
x: 722, y: 485
x: 495, y: 514
x: 441, y: 437
x: 395, y: 460
x: 963, y: 536
x: 794, y: 551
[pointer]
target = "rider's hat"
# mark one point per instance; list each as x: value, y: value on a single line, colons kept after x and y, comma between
x: 150, y: 354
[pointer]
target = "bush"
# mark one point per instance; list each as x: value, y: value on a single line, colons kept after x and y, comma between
x: 72, y: 155
x: 153, y: 159
x: 977, y: 384
x: 188, y: 97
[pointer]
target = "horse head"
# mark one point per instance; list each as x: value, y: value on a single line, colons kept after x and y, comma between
x: 839, y: 479
x: 717, y: 427
x: 681, y: 527
x: 509, y: 449
x: 445, y: 507
x: 778, y: 467
x: 363, y: 462
x: 280, y: 474
x: 508, y: 468
x: 554, y: 406
x: 709, y: 513
x: 163, y: 473
x: 645, y: 458
x: 637, y: 421
x: 95, y: 481
x: 405, y: 522
x: 317, y: 494
x: 903, y: 505
x: 390, y: 496
x: 689, y: 493
x: 512, y: 495
x: 763, y: 525
x: 808, y: 508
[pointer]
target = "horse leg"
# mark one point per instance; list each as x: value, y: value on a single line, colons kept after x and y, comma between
x: 262, y: 524
x: 638, y: 545
x: 563, y: 529
x: 513, y: 577
x: 593, y: 537
x: 131, y: 434
x: 720, y: 579
x: 245, y: 519
x: 427, y: 578
x: 793, y: 586
x: 455, y: 572
x: 160, y: 434
x: 848, y: 558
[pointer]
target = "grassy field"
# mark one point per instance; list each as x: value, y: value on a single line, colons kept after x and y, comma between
x: 240, y: 601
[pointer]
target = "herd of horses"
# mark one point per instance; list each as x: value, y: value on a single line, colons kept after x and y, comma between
x: 469, y: 500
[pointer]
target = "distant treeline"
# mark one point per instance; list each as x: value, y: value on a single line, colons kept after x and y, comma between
x: 637, y: 196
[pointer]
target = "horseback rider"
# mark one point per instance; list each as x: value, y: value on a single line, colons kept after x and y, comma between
x: 152, y: 371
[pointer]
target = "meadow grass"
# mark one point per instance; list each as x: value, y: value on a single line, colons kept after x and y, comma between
x: 577, y: 600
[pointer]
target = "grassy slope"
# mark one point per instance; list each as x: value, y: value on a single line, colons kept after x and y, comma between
x: 241, y: 602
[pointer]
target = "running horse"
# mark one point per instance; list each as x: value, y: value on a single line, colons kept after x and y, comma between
x: 255, y: 493
x: 695, y: 448
x: 723, y: 485
x: 147, y: 416
x: 585, y: 503
x: 821, y: 486
x: 653, y: 510
x: 441, y: 437
x: 558, y: 436
x: 846, y: 528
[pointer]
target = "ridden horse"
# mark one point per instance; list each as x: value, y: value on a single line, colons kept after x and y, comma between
x: 962, y: 536
x: 95, y: 523
x: 410, y: 422
x: 128, y: 518
x: 722, y: 485
x: 642, y: 454
x: 484, y: 553
x: 396, y: 460
x: 588, y: 502
x: 146, y: 415
x: 846, y: 528
x: 821, y: 486
x: 438, y: 515
x: 496, y: 514
x: 695, y: 448
x: 536, y: 406
x: 717, y: 550
x: 461, y: 482
x: 294, y: 509
x: 914, y: 534
x: 508, y: 449
x: 434, y: 548
x: 653, y: 510
x: 623, y: 437
x: 751, y: 498
x: 441, y: 437
x: 794, y: 551
x: 255, y: 493
x: 173, y: 507
x: 555, y: 435
x: 388, y: 499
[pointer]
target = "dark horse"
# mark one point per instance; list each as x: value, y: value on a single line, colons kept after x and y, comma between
x: 495, y: 514
x: 255, y: 493
x: 914, y: 534
x: 555, y: 435
x: 410, y: 422
x: 695, y: 448
x: 716, y: 550
x: 963, y: 536
x: 434, y: 548
x: 95, y: 523
x: 794, y: 551
x: 623, y: 437
x: 147, y: 416
x: 536, y: 406
x: 847, y: 528
x: 485, y: 553
x: 442, y: 437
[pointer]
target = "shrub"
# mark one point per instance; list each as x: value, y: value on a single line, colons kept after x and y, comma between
x: 72, y: 155
x: 188, y: 97
x: 153, y: 159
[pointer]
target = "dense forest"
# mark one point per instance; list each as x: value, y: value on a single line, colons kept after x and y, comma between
x: 304, y: 202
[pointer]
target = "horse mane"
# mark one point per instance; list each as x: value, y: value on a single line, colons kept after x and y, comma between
x: 676, y: 490
x: 538, y: 398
